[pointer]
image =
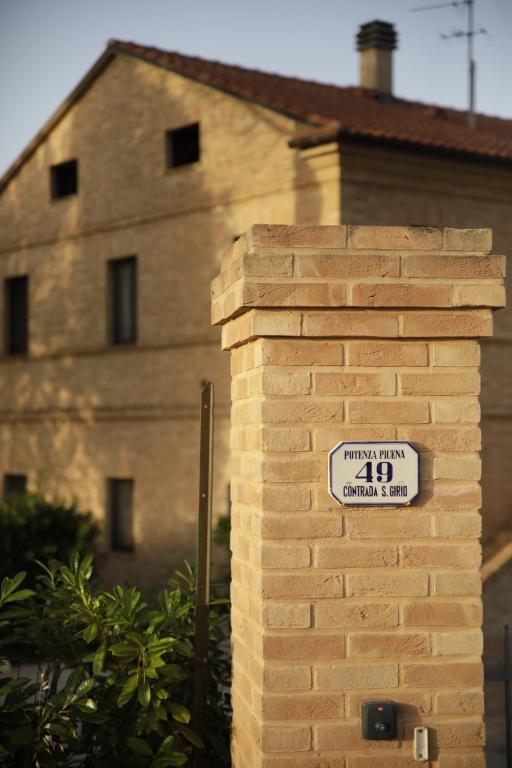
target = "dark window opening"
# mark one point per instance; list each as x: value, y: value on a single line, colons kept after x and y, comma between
x: 182, y: 145
x: 14, y: 485
x: 64, y: 179
x: 123, y: 300
x: 16, y: 315
x: 120, y: 514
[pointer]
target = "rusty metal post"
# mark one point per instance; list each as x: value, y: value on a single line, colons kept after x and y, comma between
x: 203, y: 566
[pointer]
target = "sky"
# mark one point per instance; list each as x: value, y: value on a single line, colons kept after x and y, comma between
x: 46, y: 46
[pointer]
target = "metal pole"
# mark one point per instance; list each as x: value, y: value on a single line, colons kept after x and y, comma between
x: 204, y: 537
x: 508, y: 702
x: 471, y: 64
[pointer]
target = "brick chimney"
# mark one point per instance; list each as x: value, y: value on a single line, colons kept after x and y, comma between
x: 376, y: 41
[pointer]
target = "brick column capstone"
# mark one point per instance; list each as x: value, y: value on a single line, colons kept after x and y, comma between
x: 355, y: 333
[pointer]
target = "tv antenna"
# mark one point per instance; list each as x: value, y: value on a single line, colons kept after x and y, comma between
x: 469, y: 33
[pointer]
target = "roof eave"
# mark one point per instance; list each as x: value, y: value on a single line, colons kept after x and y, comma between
x: 331, y: 133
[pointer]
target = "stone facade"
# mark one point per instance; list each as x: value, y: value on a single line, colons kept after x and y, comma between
x: 77, y: 410
x: 355, y: 333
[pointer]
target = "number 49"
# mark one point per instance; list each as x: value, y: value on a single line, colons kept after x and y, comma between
x: 384, y: 472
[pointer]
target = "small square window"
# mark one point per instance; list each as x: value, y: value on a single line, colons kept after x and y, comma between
x: 16, y: 315
x: 182, y: 146
x: 64, y: 179
x: 14, y: 485
x: 120, y: 514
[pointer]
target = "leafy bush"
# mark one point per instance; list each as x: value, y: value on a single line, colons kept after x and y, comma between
x: 32, y: 528
x: 117, y: 674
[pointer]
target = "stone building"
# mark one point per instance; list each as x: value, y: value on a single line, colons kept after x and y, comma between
x: 114, y: 220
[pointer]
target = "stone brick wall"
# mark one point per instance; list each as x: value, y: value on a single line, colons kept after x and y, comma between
x: 355, y: 333
x: 77, y: 410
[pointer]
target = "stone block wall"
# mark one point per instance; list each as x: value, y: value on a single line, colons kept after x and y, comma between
x: 355, y: 333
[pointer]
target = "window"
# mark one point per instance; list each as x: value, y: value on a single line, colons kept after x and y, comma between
x: 182, y: 146
x: 16, y: 315
x: 14, y: 484
x: 64, y: 179
x: 123, y: 300
x: 120, y: 514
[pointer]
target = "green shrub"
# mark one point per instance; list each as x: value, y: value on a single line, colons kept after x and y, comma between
x: 32, y: 528
x: 117, y: 675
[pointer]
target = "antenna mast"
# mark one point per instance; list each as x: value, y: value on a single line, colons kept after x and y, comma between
x: 469, y: 34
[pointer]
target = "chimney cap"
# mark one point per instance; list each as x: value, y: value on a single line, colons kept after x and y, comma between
x: 377, y: 34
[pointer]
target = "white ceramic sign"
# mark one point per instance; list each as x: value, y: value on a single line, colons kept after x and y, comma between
x: 374, y: 473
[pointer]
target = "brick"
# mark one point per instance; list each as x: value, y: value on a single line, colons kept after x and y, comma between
x: 289, y: 470
x: 462, y: 583
x: 285, y: 556
x: 285, y: 439
x: 442, y: 438
x: 298, y: 761
x: 395, y: 646
x: 300, y: 352
x: 387, y: 353
x: 387, y: 584
x: 351, y: 384
x: 347, y: 737
x: 302, y: 585
x: 274, y: 323
x: 446, y: 674
x: 304, y: 706
x: 430, y: 614
x: 388, y: 411
x: 380, y: 324
x: 439, y: 556
x: 457, y: 643
x: 458, y: 526
x: 301, y: 411
x: 459, y: 383
x: 333, y: 265
x: 355, y: 615
x: 454, y: 266
x: 460, y: 702
x: 434, y: 324
x: 268, y: 264
x: 456, y: 353
x: 469, y: 732
x: 401, y: 295
x: 285, y: 383
x: 388, y: 525
x: 402, y: 759
x: 346, y: 676
x: 285, y: 738
x: 279, y: 678
x: 302, y: 235
x: 327, y: 438
x: 305, y: 647
x: 465, y: 468
x: 480, y: 295
x: 395, y: 238
x: 279, y: 294
x: 301, y: 526
x: 455, y: 411
x: 447, y: 760
x: 467, y: 239
x: 283, y: 499
x: 287, y: 615
x: 360, y: 556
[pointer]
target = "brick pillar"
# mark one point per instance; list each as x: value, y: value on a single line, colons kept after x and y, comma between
x: 355, y: 333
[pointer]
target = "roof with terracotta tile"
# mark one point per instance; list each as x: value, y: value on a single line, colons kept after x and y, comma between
x: 329, y: 112
x: 349, y: 111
